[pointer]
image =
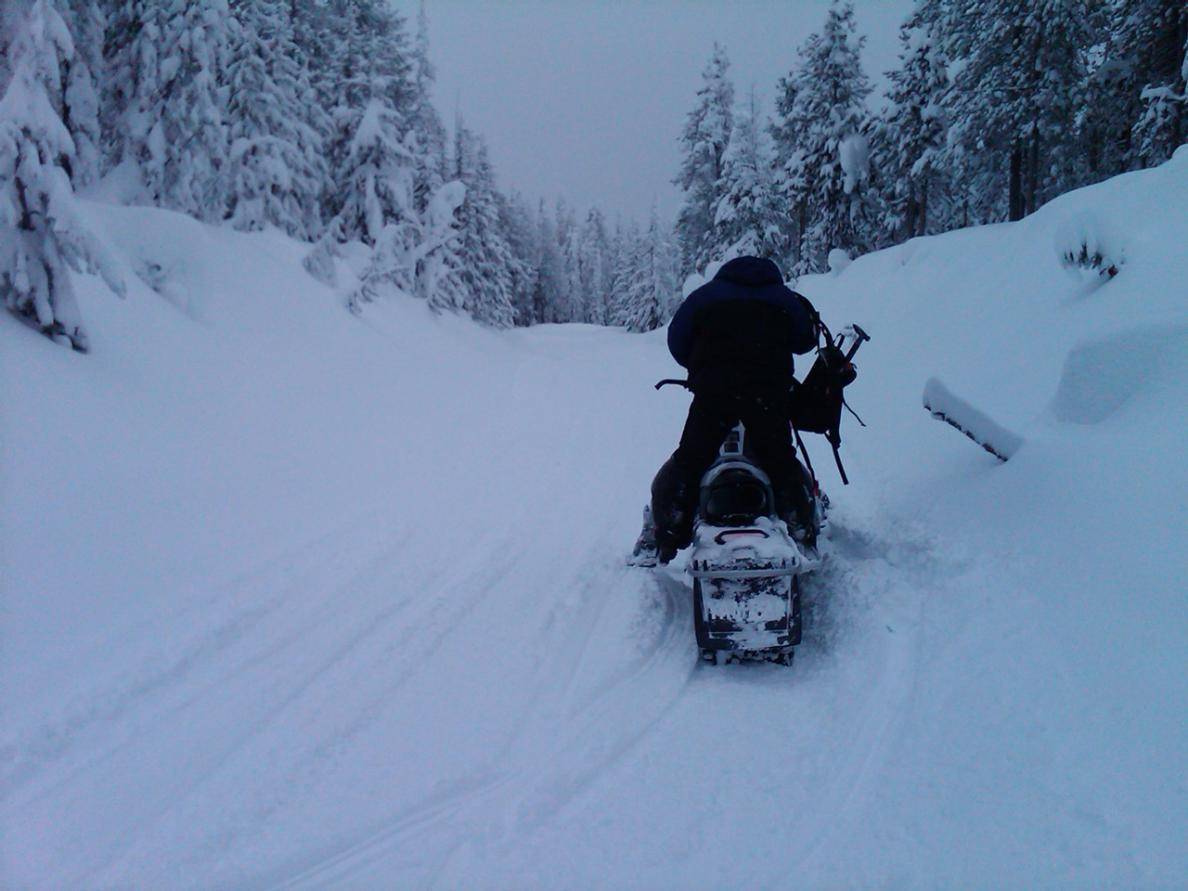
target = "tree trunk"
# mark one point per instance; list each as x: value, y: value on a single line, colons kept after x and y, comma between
x: 922, y: 216
x: 1015, y: 197
x: 802, y: 225
x: 1033, y: 170
x: 911, y: 216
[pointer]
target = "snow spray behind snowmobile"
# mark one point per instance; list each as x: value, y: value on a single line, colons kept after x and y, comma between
x: 746, y: 563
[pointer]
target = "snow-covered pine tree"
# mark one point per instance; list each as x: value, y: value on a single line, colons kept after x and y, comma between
x: 359, y: 52
x: 359, y: 60
x: 276, y: 170
x: 81, y: 79
x: 830, y: 165
x: 1014, y: 99
x: 550, y: 275
x: 1155, y: 34
x: 790, y: 177
x: 520, y: 228
x: 649, y: 280
x: 910, y: 139
x: 1112, y: 104
x: 417, y: 253
x: 375, y: 181
x: 41, y: 236
x: 8, y: 28
x: 377, y: 208
x: 748, y: 218
x: 594, y: 268
x: 483, y: 261
x: 571, y: 256
x: 423, y: 116
x: 703, y: 144
x: 567, y: 302
x: 168, y: 69
x: 625, y: 272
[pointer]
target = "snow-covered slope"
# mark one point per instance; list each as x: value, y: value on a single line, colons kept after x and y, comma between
x: 298, y: 598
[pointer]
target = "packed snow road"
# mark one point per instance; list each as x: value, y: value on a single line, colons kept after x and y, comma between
x: 459, y: 680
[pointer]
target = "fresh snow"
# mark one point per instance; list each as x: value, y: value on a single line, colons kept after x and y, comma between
x: 299, y: 598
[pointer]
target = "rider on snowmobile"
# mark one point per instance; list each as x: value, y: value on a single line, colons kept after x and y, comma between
x: 736, y: 335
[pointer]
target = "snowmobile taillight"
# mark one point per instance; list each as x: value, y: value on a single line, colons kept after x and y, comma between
x: 721, y: 537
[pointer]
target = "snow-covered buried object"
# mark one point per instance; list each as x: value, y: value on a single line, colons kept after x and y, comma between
x: 1086, y: 241
x: 944, y: 405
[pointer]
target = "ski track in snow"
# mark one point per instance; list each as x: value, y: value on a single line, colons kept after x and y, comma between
x: 604, y: 667
x: 593, y: 730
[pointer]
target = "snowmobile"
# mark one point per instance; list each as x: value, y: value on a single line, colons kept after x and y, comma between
x: 746, y: 562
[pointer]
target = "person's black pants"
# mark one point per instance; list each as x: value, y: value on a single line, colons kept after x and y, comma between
x: 768, y: 441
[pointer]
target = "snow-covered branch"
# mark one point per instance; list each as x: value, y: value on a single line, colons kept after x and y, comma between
x: 946, y: 406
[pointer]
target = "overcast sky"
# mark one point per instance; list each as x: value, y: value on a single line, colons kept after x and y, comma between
x: 587, y: 98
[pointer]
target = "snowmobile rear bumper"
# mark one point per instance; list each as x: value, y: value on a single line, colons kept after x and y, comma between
x: 745, y: 593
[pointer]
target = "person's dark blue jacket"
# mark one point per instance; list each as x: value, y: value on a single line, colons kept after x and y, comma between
x: 742, y: 328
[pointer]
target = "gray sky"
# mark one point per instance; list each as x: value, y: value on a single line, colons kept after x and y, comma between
x: 587, y: 99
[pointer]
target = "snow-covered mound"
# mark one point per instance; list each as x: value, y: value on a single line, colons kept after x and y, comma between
x: 297, y: 597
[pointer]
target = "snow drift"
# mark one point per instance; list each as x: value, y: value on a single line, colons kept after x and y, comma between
x: 302, y: 598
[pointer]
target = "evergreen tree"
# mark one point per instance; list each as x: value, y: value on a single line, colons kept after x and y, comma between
x: 648, y: 279
x: 790, y: 176
x: 41, y: 236
x: 550, y: 274
x: 362, y: 72
x: 421, y: 261
x: 483, y: 262
x: 567, y: 300
x: 1015, y: 98
x: 428, y: 146
x: 827, y: 170
x: 625, y: 272
x: 748, y: 217
x: 550, y: 271
x: 357, y: 51
x: 1154, y: 35
x: 81, y: 79
x: 375, y: 178
x: 168, y: 72
x: 423, y: 117
x: 277, y: 172
x: 315, y: 30
x: 8, y: 28
x: 594, y: 268
x: 704, y: 142
x: 910, y: 140
x: 517, y: 223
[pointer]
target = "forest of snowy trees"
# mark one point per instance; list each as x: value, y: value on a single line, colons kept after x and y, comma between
x: 996, y: 107
x: 311, y: 116
x: 316, y: 117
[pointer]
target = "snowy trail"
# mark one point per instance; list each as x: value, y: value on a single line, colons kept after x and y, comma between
x: 384, y: 700
x: 594, y: 720
x: 296, y: 599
